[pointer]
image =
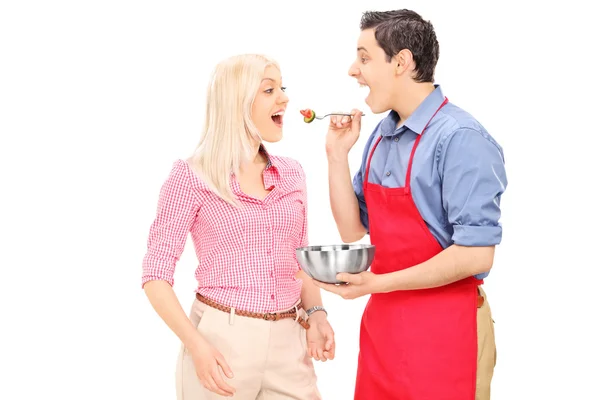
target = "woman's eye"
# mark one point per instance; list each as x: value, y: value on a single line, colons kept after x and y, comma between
x: 271, y: 90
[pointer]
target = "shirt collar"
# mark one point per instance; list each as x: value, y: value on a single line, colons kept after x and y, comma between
x: 418, y: 119
x: 270, y: 161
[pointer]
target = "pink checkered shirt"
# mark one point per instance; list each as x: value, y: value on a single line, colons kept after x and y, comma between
x: 246, y: 256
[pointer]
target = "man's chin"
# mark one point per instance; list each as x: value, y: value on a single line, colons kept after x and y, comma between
x: 374, y: 106
x: 377, y: 109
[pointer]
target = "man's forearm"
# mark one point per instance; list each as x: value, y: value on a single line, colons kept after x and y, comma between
x: 343, y: 201
x: 450, y: 265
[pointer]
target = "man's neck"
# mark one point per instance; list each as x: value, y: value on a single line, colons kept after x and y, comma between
x: 412, y: 97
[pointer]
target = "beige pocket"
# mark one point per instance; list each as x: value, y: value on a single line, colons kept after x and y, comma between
x: 199, y: 313
x: 186, y: 379
x: 303, y: 341
x: 307, y: 377
x: 214, y: 326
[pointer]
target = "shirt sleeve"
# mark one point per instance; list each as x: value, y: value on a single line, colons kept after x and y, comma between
x: 175, y: 214
x: 473, y: 180
x: 360, y: 196
x: 304, y: 233
x: 303, y: 237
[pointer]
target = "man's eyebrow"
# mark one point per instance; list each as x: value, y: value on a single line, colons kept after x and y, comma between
x: 361, y: 48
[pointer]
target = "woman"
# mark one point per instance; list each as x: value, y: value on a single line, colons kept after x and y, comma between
x: 257, y: 319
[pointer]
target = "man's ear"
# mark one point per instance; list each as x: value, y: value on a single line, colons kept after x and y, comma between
x: 403, y: 61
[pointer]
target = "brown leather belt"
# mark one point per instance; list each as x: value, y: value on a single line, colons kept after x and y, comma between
x: 266, y: 316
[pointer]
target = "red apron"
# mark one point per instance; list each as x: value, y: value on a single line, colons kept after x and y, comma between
x: 414, y: 344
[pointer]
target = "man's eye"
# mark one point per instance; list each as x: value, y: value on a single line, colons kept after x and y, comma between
x: 283, y: 89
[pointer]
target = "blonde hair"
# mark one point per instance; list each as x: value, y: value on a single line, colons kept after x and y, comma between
x: 229, y: 136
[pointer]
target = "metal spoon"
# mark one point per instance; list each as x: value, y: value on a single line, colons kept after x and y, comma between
x: 344, y: 114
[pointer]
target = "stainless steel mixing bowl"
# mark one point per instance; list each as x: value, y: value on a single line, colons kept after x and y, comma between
x: 323, y: 263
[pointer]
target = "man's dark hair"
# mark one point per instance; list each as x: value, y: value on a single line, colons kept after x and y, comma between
x: 405, y: 29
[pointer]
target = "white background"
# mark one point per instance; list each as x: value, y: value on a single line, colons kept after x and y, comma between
x: 97, y: 99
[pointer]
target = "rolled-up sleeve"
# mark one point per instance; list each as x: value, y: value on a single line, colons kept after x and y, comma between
x: 473, y: 181
x: 357, y: 183
x: 304, y: 233
x: 176, y: 211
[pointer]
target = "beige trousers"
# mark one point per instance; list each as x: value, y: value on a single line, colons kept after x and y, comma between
x: 486, y: 355
x: 269, y: 359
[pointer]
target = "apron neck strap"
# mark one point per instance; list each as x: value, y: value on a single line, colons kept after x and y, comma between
x: 412, y: 153
x: 369, y: 161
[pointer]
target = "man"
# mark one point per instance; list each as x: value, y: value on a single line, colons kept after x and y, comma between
x: 428, y: 194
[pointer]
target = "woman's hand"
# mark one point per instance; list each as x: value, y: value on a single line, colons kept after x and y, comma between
x: 320, y: 337
x: 209, y: 363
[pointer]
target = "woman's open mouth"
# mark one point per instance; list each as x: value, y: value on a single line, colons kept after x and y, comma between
x: 278, y: 118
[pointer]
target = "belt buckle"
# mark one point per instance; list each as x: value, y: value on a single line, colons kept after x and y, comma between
x: 269, y: 316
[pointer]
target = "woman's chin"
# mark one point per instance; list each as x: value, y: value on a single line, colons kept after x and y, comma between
x: 273, y: 136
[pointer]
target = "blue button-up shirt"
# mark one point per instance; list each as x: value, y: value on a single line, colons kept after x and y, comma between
x: 458, y: 173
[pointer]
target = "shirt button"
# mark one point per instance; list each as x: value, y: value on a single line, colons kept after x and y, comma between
x: 388, y: 173
x: 272, y: 297
x: 395, y: 140
x: 271, y: 274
